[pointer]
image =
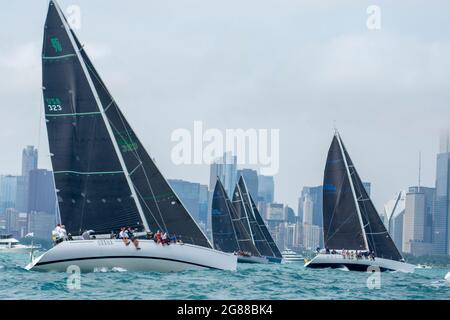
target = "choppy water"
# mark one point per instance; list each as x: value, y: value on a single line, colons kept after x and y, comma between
x: 272, y: 281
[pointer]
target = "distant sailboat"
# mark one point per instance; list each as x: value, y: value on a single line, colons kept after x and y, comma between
x: 104, y: 177
x: 229, y: 233
x: 353, y: 230
x: 252, y: 220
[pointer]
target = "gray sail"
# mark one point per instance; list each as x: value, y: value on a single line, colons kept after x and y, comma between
x: 229, y: 235
x: 100, y: 165
x: 242, y: 204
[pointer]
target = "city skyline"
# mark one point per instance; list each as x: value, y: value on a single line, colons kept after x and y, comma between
x: 397, y: 79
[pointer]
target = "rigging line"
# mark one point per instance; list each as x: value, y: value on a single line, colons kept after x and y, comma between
x: 124, y: 139
x: 85, y: 185
x: 338, y: 197
x: 340, y: 227
x: 246, y: 234
x: 109, y: 105
x: 134, y: 170
x: 155, y: 200
x: 146, y: 205
x: 100, y: 81
x: 231, y: 219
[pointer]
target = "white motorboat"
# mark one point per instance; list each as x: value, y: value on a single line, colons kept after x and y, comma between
x: 8, y: 244
x: 291, y: 256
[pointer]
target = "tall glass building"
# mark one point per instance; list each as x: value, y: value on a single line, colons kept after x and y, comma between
x: 8, y: 187
x: 441, y: 221
x: 251, y: 180
x: 224, y: 168
x: 266, y: 189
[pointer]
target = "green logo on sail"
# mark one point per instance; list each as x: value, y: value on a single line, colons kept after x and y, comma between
x: 54, y: 101
x: 126, y: 144
x: 56, y: 44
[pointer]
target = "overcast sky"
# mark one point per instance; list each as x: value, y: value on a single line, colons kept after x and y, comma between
x: 297, y: 66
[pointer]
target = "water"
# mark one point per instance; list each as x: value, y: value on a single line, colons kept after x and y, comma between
x: 272, y: 281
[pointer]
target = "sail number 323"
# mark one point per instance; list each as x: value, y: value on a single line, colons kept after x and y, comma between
x: 54, y: 105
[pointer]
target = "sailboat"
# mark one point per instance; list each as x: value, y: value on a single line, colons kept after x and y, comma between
x: 104, y: 177
x: 254, y: 224
x: 355, y: 237
x: 229, y: 233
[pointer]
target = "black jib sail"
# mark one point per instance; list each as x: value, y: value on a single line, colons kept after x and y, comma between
x: 229, y: 235
x: 377, y: 236
x: 350, y: 218
x: 104, y: 177
x: 264, y: 230
x: 242, y: 204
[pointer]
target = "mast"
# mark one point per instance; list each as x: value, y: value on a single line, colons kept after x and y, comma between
x: 104, y: 116
x: 353, y: 190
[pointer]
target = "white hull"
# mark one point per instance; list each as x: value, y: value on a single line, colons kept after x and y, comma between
x: 338, y: 261
x: 92, y: 255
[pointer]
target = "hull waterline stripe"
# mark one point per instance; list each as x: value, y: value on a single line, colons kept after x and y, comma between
x: 123, y: 257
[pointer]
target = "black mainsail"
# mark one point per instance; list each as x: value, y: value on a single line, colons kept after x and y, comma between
x: 229, y: 235
x: 104, y: 177
x: 350, y: 219
x: 243, y: 206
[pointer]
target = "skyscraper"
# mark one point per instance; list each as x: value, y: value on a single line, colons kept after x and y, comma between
x: 224, y: 168
x: 417, y: 220
x: 441, y: 221
x: 29, y: 163
x: 8, y: 187
x: 189, y: 194
x: 314, y: 197
x: 251, y: 180
x: 29, y: 160
x: 41, y: 192
x: 266, y: 189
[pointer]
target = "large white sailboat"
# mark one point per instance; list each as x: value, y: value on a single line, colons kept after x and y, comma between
x: 355, y: 237
x: 103, y: 175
